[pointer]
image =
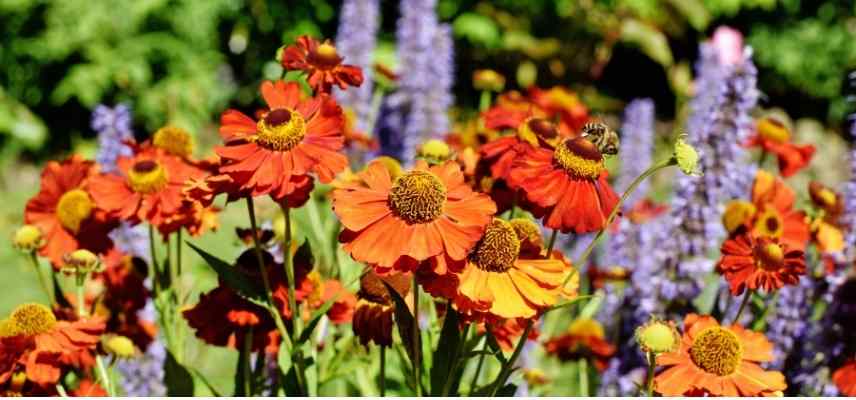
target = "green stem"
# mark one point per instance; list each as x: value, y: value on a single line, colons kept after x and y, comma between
x: 552, y: 242
x: 265, y: 280
x: 296, y: 322
x: 61, y: 390
x: 105, y: 377
x: 42, y: 282
x: 374, y: 110
x: 743, y: 304
x: 178, y: 247
x: 652, y: 363
x: 630, y: 189
x: 382, y: 376
x: 154, y: 255
x: 248, y: 371
x: 81, y: 296
x: 417, y: 345
x: 583, y: 371
x: 80, y: 281
x: 484, y: 100
x: 509, y: 365
x: 478, y: 367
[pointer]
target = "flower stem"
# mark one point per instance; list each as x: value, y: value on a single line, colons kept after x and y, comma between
x: 417, y: 345
x: 484, y: 100
x: 743, y: 304
x: 382, y: 376
x: 296, y: 327
x: 42, y: 282
x: 80, y: 283
x: 506, y: 370
x: 105, y: 377
x: 154, y: 261
x: 478, y: 367
x: 552, y: 242
x: 583, y: 371
x: 265, y: 280
x: 652, y: 363
x: 248, y: 369
x: 630, y: 189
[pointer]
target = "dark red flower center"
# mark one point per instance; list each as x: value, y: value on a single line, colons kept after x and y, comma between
x: 147, y: 176
x: 580, y: 158
x: 281, y: 129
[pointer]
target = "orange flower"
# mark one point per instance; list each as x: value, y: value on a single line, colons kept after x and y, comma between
x: 507, y: 332
x: 719, y: 361
x: 342, y: 310
x: 124, y: 295
x: 584, y: 338
x: 88, y: 388
x: 322, y: 65
x: 296, y: 137
x: 845, y: 378
x: 826, y: 228
x: 759, y: 263
x: 569, y: 183
x: 373, y: 316
x: 65, y: 212
x: 148, y: 186
x: 40, y: 345
x: 499, y: 282
x: 773, y: 137
x: 776, y: 216
x: 564, y: 104
x: 425, y: 214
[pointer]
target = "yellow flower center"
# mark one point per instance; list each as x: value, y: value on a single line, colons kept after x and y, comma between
x: 717, y: 350
x: 770, y: 224
x: 769, y: 256
x: 326, y: 55
x: 526, y: 229
x: 74, y: 207
x: 120, y: 346
x: 32, y: 319
x: 774, y: 130
x: 533, y: 128
x: 586, y: 327
x: 147, y: 176
x: 580, y: 158
x: 174, y: 140
x: 498, y: 248
x: 417, y: 197
x: 737, y: 212
x: 281, y: 129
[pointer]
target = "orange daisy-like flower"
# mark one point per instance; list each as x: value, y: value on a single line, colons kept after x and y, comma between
x: 65, y: 212
x: 372, y: 320
x: 39, y: 344
x: 568, y: 184
x: 124, y: 295
x: 89, y: 388
x: 845, y: 378
x: 148, y: 186
x: 322, y: 65
x: 500, y: 281
x: 425, y: 214
x: 826, y: 229
x: 342, y: 310
x: 585, y: 338
x: 507, y: 332
x: 776, y: 216
x: 294, y: 138
x: 759, y: 263
x: 719, y: 361
x: 773, y: 137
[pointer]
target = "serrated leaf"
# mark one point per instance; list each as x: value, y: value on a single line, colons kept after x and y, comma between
x: 404, y: 321
x: 445, y: 360
x: 231, y: 276
x: 178, y: 380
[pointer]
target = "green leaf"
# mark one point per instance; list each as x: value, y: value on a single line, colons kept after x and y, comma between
x: 205, y: 382
x: 651, y: 41
x: 316, y: 317
x: 592, y: 306
x: 179, y: 381
x: 507, y: 391
x: 234, y: 279
x: 477, y: 28
x: 494, y: 347
x: 694, y: 11
x: 706, y: 300
x: 569, y: 303
x: 240, y: 365
x: 404, y: 321
x: 445, y: 360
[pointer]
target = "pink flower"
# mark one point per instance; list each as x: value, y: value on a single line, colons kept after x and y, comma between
x: 729, y: 45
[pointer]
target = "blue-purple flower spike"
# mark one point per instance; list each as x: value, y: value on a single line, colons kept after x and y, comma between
x: 113, y: 126
x: 637, y: 137
x: 356, y: 40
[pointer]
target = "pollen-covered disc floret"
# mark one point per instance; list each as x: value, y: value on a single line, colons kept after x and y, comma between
x: 770, y: 224
x: 533, y: 128
x: 417, y: 197
x: 769, y: 255
x: 717, y: 350
x: 28, y: 238
x: 32, y: 319
x: 281, y: 129
x: 580, y: 158
x: 658, y: 336
x: 498, y: 248
x: 174, y: 140
x: 526, y: 229
x: 147, y: 176
x: 74, y: 207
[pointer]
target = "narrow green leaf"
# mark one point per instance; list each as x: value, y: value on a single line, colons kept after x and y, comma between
x: 234, y: 279
x: 240, y: 365
x: 496, y: 350
x: 316, y: 317
x: 404, y: 321
x: 446, y: 355
x: 205, y: 382
x: 179, y: 381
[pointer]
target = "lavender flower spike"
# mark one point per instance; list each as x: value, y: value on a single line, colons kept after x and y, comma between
x: 637, y: 136
x: 356, y: 41
x: 114, y: 128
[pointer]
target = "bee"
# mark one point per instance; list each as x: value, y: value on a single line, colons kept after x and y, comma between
x: 602, y: 136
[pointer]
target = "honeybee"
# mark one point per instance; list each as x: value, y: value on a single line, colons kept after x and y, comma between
x: 602, y: 136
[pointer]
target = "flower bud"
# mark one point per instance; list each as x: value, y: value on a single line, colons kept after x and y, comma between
x: 686, y: 157
x: 81, y: 262
x: 28, y: 238
x: 434, y: 151
x: 658, y: 336
x: 119, y: 346
x: 488, y: 79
